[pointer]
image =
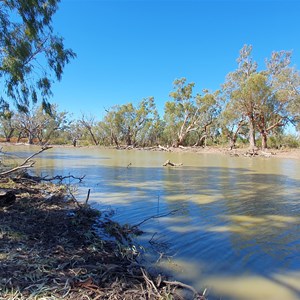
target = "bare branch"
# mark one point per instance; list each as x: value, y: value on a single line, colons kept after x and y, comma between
x: 35, y: 154
x: 172, y: 212
x: 25, y: 164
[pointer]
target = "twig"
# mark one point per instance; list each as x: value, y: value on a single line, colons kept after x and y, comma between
x: 150, y: 241
x: 73, y: 198
x: 61, y: 178
x: 149, y: 281
x: 156, y: 217
x: 183, y: 285
x: 87, y: 197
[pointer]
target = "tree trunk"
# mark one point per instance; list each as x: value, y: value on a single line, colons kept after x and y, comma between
x: 232, y: 142
x: 252, y: 141
x: 264, y: 138
x: 201, y: 140
x: 30, y: 138
x: 180, y: 140
x: 9, y: 135
x: 93, y: 136
x: 19, y: 137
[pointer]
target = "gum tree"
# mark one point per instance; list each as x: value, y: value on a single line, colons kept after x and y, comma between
x: 31, y: 55
x: 282, y: 106
x: 129, y: 124
x: 267, y: 99
x: 7, y: 124
x: 238, y: 92
x: 187, y: 113
x: 37, y: 124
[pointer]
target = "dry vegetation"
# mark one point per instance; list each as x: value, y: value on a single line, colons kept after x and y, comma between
x: 53, y: 248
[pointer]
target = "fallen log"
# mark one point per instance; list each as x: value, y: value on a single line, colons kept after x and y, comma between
x: 169, y: 163
x: 164, y: 148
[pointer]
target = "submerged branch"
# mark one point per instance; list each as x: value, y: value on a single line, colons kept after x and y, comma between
x: 169, y: 163
x: 172, y: 212
x: 62, y: 178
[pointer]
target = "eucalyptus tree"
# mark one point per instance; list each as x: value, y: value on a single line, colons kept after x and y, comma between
x: 187, y: 113
x: 7, y: 124
x: 208, y: 111
x: 282, y: 106
x: 31, y: 55
x: 267, y: 99
x: 36, y: 123
x: 232, y: 124
x: 129, y: 124
x: 238, y: 92
x: 51, y: 124
x: 90, y: 124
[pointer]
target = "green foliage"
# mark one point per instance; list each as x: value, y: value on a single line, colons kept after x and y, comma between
x: 36, y: 124
x: 284, y: 141
x: 187, y: 114
x: 266, y: 100
x: 32, y: 56
x: 132, y: 125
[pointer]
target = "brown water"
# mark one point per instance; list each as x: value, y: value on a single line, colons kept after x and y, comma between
x: 237, y: 230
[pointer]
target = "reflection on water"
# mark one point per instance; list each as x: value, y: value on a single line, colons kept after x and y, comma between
x: 238, y: 230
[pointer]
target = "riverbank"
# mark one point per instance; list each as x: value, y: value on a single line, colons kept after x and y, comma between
x: 52, y: 247
x: 289, y: 153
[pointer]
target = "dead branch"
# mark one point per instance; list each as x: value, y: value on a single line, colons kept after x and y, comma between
x: 169, y: 163
x: 27, y: 163
x: 186, y: 286
x: 164, y: 148
x: 148, y: 280
x: 61, y: 178
x: 87, y: 197
x: 74, y: 198
x: 172, y: 212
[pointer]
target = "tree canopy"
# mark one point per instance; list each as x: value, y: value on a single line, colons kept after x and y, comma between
x: 266, y: 99
x: 31, y: 55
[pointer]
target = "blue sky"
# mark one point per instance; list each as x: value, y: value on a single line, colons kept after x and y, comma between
x: 129, y: 50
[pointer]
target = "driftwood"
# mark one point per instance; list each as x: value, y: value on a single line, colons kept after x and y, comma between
x: 164, y: 148
x: 169, y: 163
x: 253, y: 153
x: 59, y: 178
x: 267, y: 154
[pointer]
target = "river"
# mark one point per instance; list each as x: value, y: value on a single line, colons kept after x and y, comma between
x: 236, y: 229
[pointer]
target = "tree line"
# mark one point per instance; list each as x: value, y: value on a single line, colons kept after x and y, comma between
x: 252, y: 106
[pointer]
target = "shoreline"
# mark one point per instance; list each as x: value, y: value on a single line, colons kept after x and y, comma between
x: 287, y: 153
x: 54, y: 247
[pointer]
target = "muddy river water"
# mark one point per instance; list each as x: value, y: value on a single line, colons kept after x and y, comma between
x: 236, y: 230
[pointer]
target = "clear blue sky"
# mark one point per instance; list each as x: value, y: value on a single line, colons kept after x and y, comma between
x: 129, y: 50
